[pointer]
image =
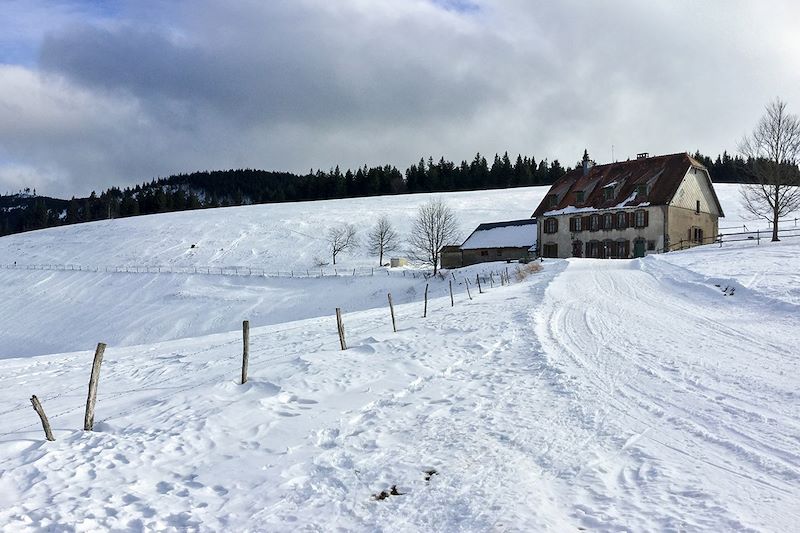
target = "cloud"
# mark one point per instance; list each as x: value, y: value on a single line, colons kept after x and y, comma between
x: 117, y: 98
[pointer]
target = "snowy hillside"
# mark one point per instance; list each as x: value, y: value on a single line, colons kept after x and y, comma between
x: 127, y: 308
x: 645, y: 395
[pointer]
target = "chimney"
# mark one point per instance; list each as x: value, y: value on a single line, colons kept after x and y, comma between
x: 587, y: 163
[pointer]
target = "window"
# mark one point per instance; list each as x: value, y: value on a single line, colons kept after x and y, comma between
x: 552, y: 200
x: 484, y: 253
x: 623, y: 249
x: 594, y: 222
x: 608, y: 249
x: 499, y: 252
x: 550, y: 250
x: 697, y: 235
x: 622, y: 220
x: 608, y: 193
x: 593, y: 249
x: 641, y: 189
x: 651, y: 246
x: 551, y: 225
x: 608, y: 221
x: 579, y: 197
x: 577, y: 249
x: 697, y: 207
x: 640, y: 218
x: 575, y: 224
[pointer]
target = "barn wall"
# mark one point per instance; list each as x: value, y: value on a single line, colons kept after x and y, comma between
x: 473, y: 257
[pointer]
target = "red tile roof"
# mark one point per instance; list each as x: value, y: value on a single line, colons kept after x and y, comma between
x: 662, y: 175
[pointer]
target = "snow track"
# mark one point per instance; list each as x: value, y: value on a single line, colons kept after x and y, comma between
x: 698, y: 393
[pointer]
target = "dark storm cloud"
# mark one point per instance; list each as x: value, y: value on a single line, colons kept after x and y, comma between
x: 307, y: 83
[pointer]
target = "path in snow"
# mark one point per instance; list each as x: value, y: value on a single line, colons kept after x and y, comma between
x: 695, y: 394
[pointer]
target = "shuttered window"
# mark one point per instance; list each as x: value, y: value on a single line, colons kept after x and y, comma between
x: 622, y: 220
x: 550, y: 250
x: 640, y: 218
x: 593, y: 249
x: 575, y: 224
x: 594, y: 222
x: 551, y: 225
x: 623, y: 249
x: 608, y: 221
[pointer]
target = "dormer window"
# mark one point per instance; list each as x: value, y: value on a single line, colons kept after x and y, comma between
x: 608, y: 193
x: 641, y: 189
x: 552, y: 200
x: 579, y: 197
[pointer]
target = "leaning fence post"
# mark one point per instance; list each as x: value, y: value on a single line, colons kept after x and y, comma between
x: 391, y: 310
x: 245, y: 349
x: 88, y: 420
x: 340, y: 327
x: 478, y: 279
x: 466, y: 282
x: 37, y: 406
x: 452, y: 303
x: 425, y: 313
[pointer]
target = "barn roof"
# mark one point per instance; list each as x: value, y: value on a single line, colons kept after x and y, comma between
x: 661, y: 174
x: 508, y: 234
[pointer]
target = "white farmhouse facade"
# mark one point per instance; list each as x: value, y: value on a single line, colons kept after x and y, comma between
x: 629, y: 209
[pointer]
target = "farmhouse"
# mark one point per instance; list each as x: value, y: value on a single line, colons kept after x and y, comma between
x: 511, y: 240
x: 630, y: 208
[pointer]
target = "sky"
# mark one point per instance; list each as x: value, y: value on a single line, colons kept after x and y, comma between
x: 101, y: 93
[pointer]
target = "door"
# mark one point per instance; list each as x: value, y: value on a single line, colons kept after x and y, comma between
x: 638, y: 248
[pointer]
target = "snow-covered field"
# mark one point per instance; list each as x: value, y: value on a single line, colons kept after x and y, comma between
x: 124, y: 309
x: 594, y: 395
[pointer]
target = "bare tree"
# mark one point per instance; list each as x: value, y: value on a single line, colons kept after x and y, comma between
x: 773, y: 151
x: 435, y: 226
x: 383, y: 238
x: 341, y: 239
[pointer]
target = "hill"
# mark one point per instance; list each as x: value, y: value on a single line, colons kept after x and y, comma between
x: 651, y: 394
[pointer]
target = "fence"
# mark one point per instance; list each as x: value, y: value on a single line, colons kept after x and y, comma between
x: 502, y: 277
x: 741, y: 236
x: 795, y: 222
x: 221, y: 271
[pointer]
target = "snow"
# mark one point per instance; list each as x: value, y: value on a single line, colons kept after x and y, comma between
x: 605, y: 395
x: 572, y: 210
x: 128, y: 308
x: 502, y: 237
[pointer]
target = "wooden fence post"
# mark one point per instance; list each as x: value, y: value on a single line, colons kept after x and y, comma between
x: 340, y: 327
x: 425, y: 313
x: 245, y: 349
x: 466, y: 282
x: 452, y: 303
x: 88, y: 420
x: 391, y: 310
x: 37, y: 406
x: 478, y: 279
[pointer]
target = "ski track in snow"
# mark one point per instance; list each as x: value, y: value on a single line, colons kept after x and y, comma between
x: 724, y: 404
